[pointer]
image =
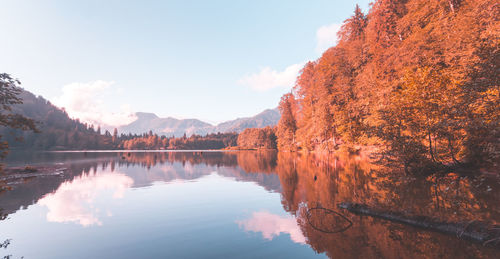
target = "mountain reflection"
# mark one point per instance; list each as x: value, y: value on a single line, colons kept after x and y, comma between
x: 303, y: 182
x: 74, y: 201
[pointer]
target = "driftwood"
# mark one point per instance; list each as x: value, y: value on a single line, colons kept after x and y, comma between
x: 16, y: 173
x: 477, y: 231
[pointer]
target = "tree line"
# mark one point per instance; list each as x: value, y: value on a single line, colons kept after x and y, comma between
x: 155, y: 142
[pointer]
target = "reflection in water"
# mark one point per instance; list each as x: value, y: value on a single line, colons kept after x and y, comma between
x: 74, y: 201
x: 271, y: 225
x: 309, y: 183
x: 303, y: 182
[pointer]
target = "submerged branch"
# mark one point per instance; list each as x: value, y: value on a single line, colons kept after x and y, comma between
x: 477, y: 231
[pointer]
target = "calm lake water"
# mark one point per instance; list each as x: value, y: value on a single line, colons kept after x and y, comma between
x: 232, y: 205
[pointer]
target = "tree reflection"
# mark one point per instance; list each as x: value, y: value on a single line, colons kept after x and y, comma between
x: 309, y: 181
x: 304, y: 182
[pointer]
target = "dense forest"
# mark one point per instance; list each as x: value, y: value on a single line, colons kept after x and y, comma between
x: 257, y: 138
x: 416, y: 79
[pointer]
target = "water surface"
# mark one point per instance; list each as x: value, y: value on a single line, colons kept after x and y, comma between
x: 231, y: 205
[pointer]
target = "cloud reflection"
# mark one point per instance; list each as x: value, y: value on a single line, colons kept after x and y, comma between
x: 74, y: 201
x: 272, y: 225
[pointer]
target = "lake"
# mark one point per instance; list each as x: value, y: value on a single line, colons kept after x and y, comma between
x: 246, y: 204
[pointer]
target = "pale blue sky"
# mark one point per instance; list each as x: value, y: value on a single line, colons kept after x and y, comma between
x: 186, y: 59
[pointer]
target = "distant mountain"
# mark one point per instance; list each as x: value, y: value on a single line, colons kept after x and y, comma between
x: 165, y: 126
x: 269, y: 117
x: 175, y: 127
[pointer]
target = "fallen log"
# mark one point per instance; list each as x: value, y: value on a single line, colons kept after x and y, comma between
x: 15, y: 173
x: 477, y: 231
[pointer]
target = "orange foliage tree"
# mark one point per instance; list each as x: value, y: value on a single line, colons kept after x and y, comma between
x: 417, y: 78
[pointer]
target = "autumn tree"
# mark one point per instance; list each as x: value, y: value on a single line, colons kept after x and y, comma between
x: 115, y: 136
x: 287, y: 125
x: 9, y: 95
x: 257, y: 138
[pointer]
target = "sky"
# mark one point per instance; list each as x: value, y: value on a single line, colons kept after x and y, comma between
x: 211, y: 60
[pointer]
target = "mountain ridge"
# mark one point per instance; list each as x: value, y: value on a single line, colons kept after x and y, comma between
x: 169, y: 126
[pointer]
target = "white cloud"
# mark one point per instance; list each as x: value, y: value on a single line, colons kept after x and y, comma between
x: 326, y: 37
x: 272, y: 225
x: 85, y: 101
x: 268, y: 78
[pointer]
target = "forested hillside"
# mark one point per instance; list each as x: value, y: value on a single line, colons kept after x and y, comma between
x: 56, y: 129
x: 419, y: 79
